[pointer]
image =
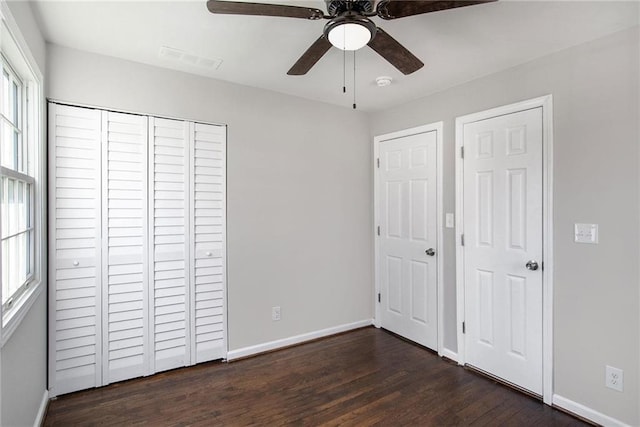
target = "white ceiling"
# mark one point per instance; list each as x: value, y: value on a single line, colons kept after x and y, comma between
x: 456, y: 45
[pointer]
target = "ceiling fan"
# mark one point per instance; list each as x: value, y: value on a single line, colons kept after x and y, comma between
x: 349, y: 26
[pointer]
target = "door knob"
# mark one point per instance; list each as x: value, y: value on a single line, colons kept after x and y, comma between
x: 430, y: 252
x: 532, y: 265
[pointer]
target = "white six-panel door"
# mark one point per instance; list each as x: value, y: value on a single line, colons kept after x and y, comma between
x: 408, y: 237
x: 137, y: 237
x: 503, y: 233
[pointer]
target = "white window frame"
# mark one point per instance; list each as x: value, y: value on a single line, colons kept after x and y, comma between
x: 22, y: 172
x: 15, y: 51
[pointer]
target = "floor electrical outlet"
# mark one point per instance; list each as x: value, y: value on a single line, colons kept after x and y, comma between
x: 614, y: 378
x: 275, y: 313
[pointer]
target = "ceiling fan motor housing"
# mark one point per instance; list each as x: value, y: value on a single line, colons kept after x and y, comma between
x: 338, y: 7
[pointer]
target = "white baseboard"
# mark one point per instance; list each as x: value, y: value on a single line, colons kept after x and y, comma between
x: 585, y: 412
x: 449, y: 354
x: 42, y: 410
x: 297, y: 339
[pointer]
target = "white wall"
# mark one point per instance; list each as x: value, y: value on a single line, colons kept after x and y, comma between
x: 596, y: 173
x: 24, y: 368
x: 299, y: 189
x: 23, y: 376
x: 25, y: 18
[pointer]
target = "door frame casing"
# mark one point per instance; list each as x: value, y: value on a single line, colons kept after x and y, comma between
x: 546, y: 103
x: 377, y: 140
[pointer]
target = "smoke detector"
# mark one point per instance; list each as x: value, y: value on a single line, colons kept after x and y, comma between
x: 383, y: 81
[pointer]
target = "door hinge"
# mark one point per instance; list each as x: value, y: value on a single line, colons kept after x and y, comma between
x: 462, y: 152
x: 462, y: 239
x: 379, y: 297
x: 378, y: 230
x: 378, y: 162
x: 464, y: 329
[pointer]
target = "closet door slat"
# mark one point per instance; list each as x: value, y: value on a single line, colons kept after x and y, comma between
x: 125, y: 240
x: 169, y: 232
x: 74, y: 247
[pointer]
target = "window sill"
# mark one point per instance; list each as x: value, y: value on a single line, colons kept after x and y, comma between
x: 13, y: 318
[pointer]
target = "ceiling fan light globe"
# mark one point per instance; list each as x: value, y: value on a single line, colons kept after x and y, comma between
x: 349, y: 36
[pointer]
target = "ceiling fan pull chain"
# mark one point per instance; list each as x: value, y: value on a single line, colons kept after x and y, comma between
x: 354, y: 79
x: 344, y: 71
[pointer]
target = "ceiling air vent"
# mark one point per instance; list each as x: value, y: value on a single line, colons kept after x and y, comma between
x: 188, y: 58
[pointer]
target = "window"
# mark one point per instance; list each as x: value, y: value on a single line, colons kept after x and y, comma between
x: 16, y: 189
x: 22, y: 170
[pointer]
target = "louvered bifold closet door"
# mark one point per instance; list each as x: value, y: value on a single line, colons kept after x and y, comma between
x: 137, y: 244
x: 125, y: 255
x: 169, y: 231
x: 74, y: 249
x: 208, y: 207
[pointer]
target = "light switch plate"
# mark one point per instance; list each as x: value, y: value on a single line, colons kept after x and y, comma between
x: 586, y: 233
x: 449, y: 220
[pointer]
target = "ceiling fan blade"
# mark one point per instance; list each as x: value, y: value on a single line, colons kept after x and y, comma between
x: 396, y: 54
x: 392, y: 9
x: 310, y: 57
x: 263, y: 9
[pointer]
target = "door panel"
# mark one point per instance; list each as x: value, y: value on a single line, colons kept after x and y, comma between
x: 419, y: 287
x: 394, y: 284
x: 169, y: 266
x: 407, y: 194
x: 74, y: 201
x: 125, y: 258
x: 503, y: 230
x: 209, y: 272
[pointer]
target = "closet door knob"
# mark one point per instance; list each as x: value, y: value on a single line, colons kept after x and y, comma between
x: 208, y: 254
x: 76, y: 263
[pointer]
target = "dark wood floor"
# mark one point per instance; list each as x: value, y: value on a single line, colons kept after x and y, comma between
x: 362, y: 377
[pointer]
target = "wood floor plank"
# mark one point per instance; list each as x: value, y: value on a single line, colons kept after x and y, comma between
x: 364, y: 377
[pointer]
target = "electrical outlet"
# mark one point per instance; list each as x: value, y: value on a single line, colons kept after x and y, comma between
x: 614, y: 378
x: 585, y: 233
x: 275, y: 313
